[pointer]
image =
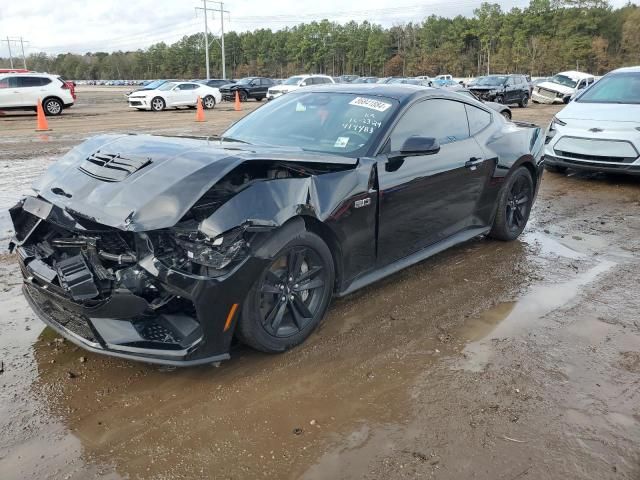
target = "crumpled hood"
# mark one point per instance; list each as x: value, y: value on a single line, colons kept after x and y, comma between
x: 556, y: 87
x: 146, y: 182
x: 603, y: 112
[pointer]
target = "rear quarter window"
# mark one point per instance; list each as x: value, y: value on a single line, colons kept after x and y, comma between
x: 478, y: 119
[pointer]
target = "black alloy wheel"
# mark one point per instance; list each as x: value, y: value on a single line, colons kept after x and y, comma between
x: 518, y: 203
x: 514, y: 206
x: 290, y: 298
x: 243, y: 96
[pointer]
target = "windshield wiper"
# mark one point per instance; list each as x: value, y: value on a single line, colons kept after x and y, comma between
x: 231, y: 139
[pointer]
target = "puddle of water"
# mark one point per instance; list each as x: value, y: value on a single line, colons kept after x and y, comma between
x: 550, y: 246
x: 509, y: 318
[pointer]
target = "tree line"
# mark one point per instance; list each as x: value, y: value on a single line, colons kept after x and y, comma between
x: 546, y: 37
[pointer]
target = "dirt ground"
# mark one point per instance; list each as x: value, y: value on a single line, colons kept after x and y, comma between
x: 492, y: 361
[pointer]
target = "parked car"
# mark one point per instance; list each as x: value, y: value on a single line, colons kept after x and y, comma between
x: 190, y: 244
x: 348, y: 78
x: 561, y: 87
x: 21, y: 91
x: 248, y: 87
x: 443, y: 77
x: 409, y: 81
x: 151, y: 85
x: 447, y: 84
x: 507, y: 89
x: 216, y: 82
x: 174, y: 95
x: 295, y: 82
x: 366, y: 80
x: 600, y: 129
x: 502, y: 109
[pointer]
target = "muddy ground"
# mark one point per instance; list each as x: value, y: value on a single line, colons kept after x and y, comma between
x: 490, y: 361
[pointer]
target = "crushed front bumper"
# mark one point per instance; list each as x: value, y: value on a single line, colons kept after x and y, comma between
x: 194, y: 327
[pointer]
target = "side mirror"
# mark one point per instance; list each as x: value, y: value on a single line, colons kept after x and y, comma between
x: 417, y: 145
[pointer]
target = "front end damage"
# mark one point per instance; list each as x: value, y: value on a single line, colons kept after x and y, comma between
x: 168, y: 295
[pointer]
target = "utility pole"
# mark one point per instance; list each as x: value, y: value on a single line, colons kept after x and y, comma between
x: 21, y: 40
x: 9, y: 47
x: 206, y: 33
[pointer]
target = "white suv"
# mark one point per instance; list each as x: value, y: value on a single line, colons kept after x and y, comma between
x: 295, y: 82
x: 21, y: 91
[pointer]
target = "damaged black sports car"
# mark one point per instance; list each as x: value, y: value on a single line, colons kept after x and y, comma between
x: 165, y: 249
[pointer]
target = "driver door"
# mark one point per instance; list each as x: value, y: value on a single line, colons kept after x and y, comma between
x: 181, y: 95
x: 426, y: 198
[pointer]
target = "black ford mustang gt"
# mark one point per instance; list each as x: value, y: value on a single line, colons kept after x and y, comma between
x: 163, y: 249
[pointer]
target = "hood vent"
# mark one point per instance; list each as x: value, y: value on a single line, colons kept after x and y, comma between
x: 110, y: 167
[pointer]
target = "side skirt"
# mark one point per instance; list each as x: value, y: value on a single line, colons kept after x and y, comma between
x: 405, y: 262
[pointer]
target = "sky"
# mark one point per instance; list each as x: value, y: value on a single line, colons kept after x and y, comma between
x: 80, y: 26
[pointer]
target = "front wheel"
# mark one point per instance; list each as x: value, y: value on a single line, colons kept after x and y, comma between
x: 243, y: 96
x: 290, y: 297
x: 157, y: 104
x: 506, y: 114
x: 500, y: 99
x: 514, y: 206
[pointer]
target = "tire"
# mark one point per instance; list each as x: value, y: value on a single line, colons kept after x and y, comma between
x: 277, y: 314
x: 506, y: 114
x: 243, y: 95
x: 157, y: 104
x: 500, y: 99
x: 259, y: 99
x: 524, y: 102
x: 555, y: 168
x: 52, y: 106
x: 514, y: 206
x: 209, y: 102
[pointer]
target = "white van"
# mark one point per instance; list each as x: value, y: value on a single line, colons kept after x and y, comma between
x: 561, y: 87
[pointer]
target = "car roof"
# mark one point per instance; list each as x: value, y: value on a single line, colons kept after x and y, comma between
x: 575, y: 75
x: 635, y: 69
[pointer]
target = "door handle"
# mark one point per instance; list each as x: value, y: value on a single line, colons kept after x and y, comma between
x: 473, y: 162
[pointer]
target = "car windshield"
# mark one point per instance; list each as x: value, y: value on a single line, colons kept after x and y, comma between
x: 244, y: 81
x: 616, y: 88
x: 563, y: 80
x: 166, y: 86
x: 338, y: 123
x: 492, y: 80
x: 155, y: 84
x: 292, y: 81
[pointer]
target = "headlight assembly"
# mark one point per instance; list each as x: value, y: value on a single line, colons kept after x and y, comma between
x: 217, y: 253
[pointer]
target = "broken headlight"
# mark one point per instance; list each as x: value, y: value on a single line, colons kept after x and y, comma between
x: 216, y: 253
x: 551, y: 131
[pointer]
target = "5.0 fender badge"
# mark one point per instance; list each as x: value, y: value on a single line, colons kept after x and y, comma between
x: 362, y: 203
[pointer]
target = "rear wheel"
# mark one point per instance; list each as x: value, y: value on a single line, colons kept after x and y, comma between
x: 52, y: 106
x: 259, y: 99
x: 209, y: 102
x: 506, y: 114
x: 524, y: 101
x: 290, y: 297
x: 157, y: 104
x: 514, y: 206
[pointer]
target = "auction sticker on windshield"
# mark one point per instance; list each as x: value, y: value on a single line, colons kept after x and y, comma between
x: 370, y: 103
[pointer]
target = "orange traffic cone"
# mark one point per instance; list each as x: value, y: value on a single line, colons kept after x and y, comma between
x: 43, y: 125
x: 200, y: 111
x: 236, y: 107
